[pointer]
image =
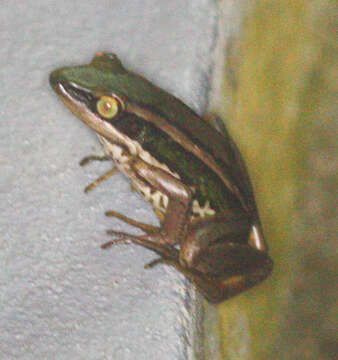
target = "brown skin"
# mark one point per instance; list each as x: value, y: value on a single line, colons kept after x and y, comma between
x: 223, y: 251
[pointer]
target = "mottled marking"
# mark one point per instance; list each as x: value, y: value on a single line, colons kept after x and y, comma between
x: 156, y: 198
x: 121, y: 157
x: 119, y: 154
x: 135, y: 149
x: 202, y: 211
x: 122, y: 154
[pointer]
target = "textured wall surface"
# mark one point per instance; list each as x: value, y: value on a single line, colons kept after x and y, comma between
x: 62, y: 297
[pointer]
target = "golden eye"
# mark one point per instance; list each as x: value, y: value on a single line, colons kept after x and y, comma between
x: 108, y: 107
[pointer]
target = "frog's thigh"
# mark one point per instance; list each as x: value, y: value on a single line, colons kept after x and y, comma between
x: 217, y: 288
x: 202, y: 233
x: 224, y: 268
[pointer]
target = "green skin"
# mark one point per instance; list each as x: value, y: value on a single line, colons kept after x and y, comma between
x: 223, y: 253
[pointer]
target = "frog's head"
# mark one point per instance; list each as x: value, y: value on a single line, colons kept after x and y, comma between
x: 103, y: 92
x: 105, y: 75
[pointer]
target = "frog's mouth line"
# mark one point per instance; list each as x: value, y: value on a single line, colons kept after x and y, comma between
x: 69, y: 94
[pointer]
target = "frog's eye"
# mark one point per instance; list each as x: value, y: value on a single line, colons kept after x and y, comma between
x: 108, y: 107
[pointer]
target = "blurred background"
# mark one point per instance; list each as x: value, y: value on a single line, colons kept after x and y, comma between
x: 279, y: 97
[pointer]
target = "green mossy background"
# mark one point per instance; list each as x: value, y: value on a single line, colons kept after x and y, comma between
x: 282, y: 115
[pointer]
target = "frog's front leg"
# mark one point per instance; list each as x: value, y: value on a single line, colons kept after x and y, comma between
x: 178, y: 212
x: 88, y: 159
x: 177, y: 217
x: 216, y: 256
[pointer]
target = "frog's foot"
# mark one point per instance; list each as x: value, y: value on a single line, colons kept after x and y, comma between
x: 87, y: 159
x: 100, y: 179
x: 151, y: 241
x: 155, y: 262
x: 123, y: 238
x: 145, y: 227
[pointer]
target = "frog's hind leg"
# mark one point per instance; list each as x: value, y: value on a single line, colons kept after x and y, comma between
x: 217, y: 257
x: 238, y: 268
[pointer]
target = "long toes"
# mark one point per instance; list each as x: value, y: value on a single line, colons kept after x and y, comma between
x: 116, y: 233
x: 122, y: 239
x: 115, y: 242
x: 154, y: 263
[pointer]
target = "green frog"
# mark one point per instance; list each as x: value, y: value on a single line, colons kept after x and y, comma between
x: 189, y: 170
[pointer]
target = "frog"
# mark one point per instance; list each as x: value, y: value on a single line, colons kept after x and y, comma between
x: 187, y: 168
